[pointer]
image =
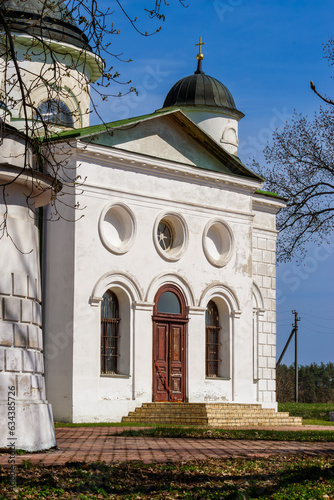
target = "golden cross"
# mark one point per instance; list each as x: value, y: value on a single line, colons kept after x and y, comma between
x: 200, y: 55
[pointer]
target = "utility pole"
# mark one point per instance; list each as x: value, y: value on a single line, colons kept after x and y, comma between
x: 294, y: 332
x: 295, y: 325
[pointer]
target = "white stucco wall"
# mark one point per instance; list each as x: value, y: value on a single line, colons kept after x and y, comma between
x: 69, y: 71
x: 25, y: 413
x: 149, y: 188
x: 221, y: 125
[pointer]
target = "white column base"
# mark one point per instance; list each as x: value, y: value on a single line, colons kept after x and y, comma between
x: 33, y: 430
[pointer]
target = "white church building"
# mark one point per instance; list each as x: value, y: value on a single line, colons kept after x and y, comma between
x: 161, y: 288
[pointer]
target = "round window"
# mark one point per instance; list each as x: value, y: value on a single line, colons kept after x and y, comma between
x: 170, y: 235
x: 117, y: 228
x: 218, y: 242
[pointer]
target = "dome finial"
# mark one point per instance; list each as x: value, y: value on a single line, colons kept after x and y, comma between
x: 199, y: 56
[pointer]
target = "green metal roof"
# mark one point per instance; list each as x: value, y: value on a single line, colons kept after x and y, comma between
x: 270, y: 194
x: 103, y: 127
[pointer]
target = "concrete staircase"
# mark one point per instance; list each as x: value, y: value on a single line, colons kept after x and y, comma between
x: 211, y: 414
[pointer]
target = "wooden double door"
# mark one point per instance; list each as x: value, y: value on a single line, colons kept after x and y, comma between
x: 169, y: 349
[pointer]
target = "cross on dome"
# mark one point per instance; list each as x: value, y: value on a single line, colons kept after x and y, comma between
x: 199, y: 45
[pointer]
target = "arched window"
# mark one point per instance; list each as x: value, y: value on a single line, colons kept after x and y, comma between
x: 109, y: 333
x: 55, y: 111
x: 212, y: 340
x: 169, y: 303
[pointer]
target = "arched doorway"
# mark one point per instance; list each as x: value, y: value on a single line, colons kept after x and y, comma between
x: 169, y: 345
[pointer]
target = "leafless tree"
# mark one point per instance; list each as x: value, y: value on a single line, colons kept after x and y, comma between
x: 299, y: 166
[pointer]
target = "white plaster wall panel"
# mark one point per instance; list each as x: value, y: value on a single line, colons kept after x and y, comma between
x: 24, y: 387
x: 11, y: 309
x: 13, y: 360
x: 143, y: 348
x: 271, y: 362
x: 243, y: 353
x: 20, y: 335
x: 5, y: 283
x: 37, y: 319
x: 117, y: 388
x: 6, y: 334
x: 196, y: 353
x: 58, y: 336
x: 29, y: 361
x: 26, y: 311
x: 20, y: 284
x: 33, y: 337
x: 33, y: 292
x: 39, y: 363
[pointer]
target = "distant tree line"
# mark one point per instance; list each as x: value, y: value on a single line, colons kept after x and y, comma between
x: 316, y: 383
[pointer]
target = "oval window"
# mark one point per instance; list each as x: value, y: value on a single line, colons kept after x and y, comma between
x: 169, y: 304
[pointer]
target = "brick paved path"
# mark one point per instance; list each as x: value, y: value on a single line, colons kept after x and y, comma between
x: 102, y: 444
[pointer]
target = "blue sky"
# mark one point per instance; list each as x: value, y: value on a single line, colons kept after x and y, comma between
x: 265, y: 52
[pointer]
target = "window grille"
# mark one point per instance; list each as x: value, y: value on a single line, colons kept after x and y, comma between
x: 212, y: 340
x: 109, y: 333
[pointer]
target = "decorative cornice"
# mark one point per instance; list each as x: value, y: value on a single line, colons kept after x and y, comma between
x: 117, y: 158
x: 40, y: 186
x: 266, y: 204
x: 84, y: 57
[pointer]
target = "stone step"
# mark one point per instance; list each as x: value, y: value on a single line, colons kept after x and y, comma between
x: 210, y: 414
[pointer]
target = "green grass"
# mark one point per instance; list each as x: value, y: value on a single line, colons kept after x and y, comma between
x: 275, y: 478
x: 253, y: 434
x: 314, y: 421
x: 309, y: 411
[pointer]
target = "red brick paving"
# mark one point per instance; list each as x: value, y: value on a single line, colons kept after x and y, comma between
x: 91, y: 444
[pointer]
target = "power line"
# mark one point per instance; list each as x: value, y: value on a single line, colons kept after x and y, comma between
x: 318, y: 317
x: 318, y: 331
x: 320, y: 326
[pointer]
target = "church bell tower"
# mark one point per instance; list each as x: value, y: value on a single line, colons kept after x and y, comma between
x: 46, y: 66
x: 55, y: 64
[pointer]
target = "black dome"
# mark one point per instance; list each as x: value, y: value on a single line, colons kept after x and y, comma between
x: 44, y: 19
x: 199, y: 90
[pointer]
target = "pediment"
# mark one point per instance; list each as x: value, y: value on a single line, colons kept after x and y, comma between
x: 169, y: 136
